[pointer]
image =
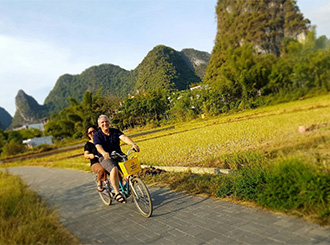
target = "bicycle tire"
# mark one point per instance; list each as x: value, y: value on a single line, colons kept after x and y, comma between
x: 106, y: 195
x: 141, y: 197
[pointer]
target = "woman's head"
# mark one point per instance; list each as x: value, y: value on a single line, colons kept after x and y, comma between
x: 90, y: 131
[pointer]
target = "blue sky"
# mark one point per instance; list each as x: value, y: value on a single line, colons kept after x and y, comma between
x: 41, y: 40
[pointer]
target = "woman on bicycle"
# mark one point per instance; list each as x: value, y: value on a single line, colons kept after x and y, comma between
x: 91, y: 153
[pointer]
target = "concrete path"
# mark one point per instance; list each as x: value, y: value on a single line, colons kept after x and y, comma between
x: 177, y: 218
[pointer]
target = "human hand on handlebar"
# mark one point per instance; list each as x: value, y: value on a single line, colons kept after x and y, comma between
x: 106, y: 156
x: 136, y: 148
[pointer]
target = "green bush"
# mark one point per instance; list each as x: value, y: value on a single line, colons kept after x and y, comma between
x: 289, y: 185
x: 12, y: 148
x: 249, y: 181
x: 293, y: 184
x: 226, y: 186
x: 245, y: 183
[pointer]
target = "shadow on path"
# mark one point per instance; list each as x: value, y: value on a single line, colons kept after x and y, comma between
x: 163, y: 197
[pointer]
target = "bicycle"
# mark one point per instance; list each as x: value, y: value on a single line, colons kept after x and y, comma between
x: 127, y: 169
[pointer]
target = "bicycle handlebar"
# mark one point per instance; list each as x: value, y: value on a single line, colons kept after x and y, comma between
x: 130, y: 151
x: 115, y: 155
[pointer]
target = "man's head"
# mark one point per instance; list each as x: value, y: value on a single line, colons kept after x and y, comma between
x: 103, y: 122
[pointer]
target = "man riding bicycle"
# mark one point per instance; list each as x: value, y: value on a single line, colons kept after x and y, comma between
x: 107, y: 140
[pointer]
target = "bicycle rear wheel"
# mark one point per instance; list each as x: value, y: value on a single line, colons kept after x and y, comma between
x: 106, y: 195
x: 141, y: 197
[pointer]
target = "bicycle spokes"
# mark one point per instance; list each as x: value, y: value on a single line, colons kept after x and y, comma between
x: 141, y: 197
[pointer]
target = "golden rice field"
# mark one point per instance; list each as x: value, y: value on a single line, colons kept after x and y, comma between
x: 206, y: 142
x: 200, y: 142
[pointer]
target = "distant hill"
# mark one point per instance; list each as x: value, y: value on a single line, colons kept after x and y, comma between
x: 5, y: 119
x: 165, y: 67
x: 264, y: 24
x: 198, y: 59
x: 162, y: 67
x: 113, y: 79
x: 27, y: 110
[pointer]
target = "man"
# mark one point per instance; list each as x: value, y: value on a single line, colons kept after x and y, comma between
x: 107, y: 140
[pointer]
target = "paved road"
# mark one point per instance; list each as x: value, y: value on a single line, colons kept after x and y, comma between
x: 177, y: 218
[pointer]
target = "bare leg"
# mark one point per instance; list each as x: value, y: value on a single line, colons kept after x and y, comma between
x: 110, y: 166
x: 114, y: 178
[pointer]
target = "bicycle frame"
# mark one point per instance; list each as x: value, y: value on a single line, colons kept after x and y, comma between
x: 125, y: 191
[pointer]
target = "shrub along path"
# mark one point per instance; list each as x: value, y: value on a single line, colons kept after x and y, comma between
x: 177, y: 218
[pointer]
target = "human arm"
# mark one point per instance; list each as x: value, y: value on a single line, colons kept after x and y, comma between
x: 90, y: 151
x: 128, y: 141
x: 89, y: 155
x: 102, y: 152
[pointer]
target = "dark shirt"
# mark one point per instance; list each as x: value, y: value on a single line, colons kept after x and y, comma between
x: 109, y: 143
x: 90, y: 147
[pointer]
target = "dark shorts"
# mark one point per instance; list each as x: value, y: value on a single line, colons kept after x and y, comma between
x: 108, y: 165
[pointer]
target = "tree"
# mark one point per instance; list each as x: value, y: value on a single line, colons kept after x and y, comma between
x: 150, y: 107
x: 72, y: 121
x: 303, y: 66
x: 12, y: 148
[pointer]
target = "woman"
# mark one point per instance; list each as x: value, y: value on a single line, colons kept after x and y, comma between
x: 92, y: 154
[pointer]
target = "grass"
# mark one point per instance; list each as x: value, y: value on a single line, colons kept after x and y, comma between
x: 291, y: 186
x: 300, y: 187
x: 276, y: 166
x: 24, y: 219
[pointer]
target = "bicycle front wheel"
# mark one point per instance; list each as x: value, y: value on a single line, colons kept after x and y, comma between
x: 141, y: 197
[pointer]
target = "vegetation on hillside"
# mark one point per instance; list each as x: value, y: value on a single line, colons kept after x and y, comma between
x: 165, y: 68
x: 198, y: 59
x: 114, y: 80
x: 257, y: 53
x: 249, y: 79
x: 262, y: 24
